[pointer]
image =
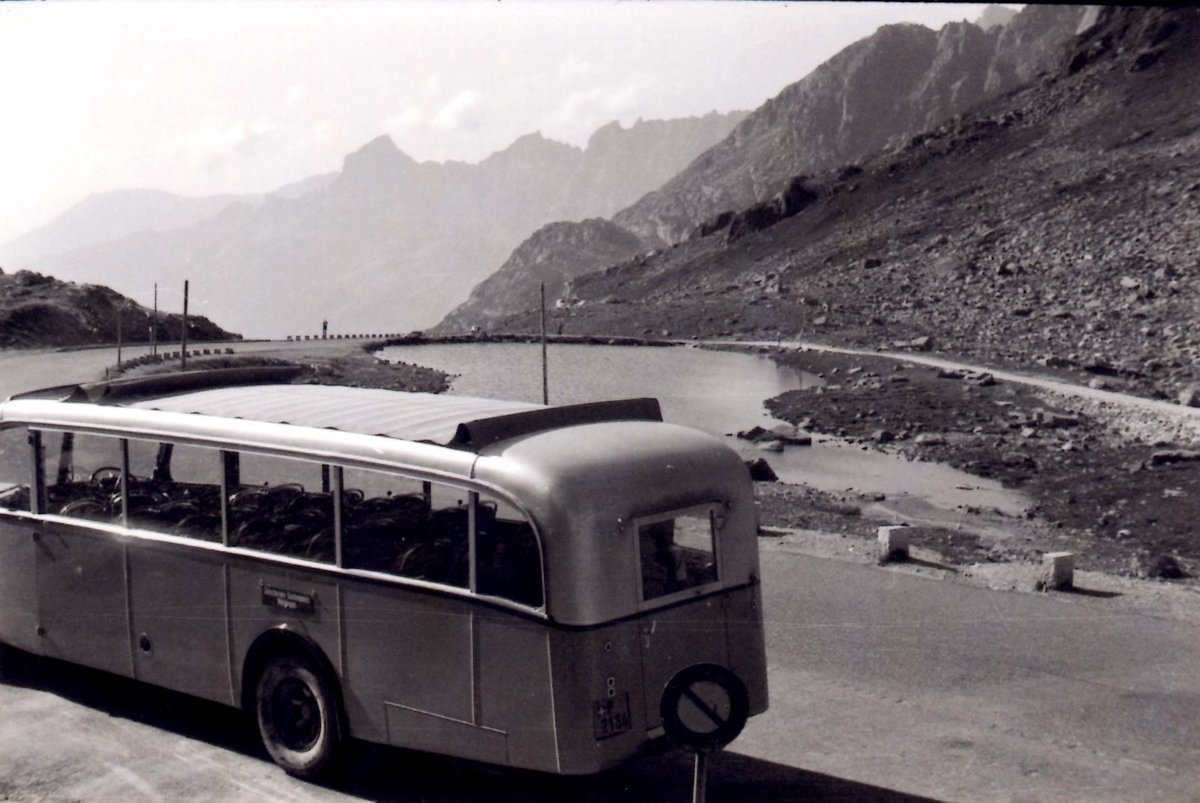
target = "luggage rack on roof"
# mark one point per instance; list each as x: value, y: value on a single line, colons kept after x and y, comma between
x: 475, y: 435
x: 119, y: 390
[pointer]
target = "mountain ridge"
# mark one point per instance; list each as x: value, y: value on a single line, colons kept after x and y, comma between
x: 404, y: 239
x: 874, y: 94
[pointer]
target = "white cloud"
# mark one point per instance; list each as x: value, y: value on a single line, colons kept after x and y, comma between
x: 214, y: 143
x: 584, y: 110
x: 425, y: 133
x: 411, y: 117
x: 463, y: 113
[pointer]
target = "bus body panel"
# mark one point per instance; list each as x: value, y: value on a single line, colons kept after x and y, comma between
x: 177, y: 613
x: 584, y: 485
x: 81, y: 597
x: 514, y: 690
x: 264, y: 595
x: 407, y: 665
x: 599, y: 711
x: 18, y: 581
x: 677, y: 637
x: 747, y: 645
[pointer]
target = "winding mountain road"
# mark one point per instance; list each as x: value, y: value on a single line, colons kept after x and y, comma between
x: 1188, y: 417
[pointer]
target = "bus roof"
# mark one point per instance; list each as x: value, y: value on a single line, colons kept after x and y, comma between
x: 457, y: 421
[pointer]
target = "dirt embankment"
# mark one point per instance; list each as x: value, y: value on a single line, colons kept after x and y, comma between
x: 1123, y: 495
x: 343, y: 364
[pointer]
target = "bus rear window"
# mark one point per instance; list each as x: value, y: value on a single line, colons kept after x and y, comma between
x: 677, y: 553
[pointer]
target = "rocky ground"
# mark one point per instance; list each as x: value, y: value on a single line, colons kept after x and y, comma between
x: 1124, y: 498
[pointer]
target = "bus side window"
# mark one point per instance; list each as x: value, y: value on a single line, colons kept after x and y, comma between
x: 175, y: 489
x: 508, y: 561
x: 280, y: 506
x: 677, y: 553
x: 15, y: 468
x: 383, y: 515
x: 87, y: 479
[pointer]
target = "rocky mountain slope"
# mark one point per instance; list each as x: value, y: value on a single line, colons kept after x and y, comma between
x: 37, y: 310
x: 1053, y: 226
x: 553, y: 255
x: 388, y: 243
x: 877, y: 93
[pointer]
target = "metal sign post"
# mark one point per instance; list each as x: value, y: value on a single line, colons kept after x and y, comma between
x: 700, y: 777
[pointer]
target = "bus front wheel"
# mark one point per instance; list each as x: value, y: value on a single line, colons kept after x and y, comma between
x: 297, y: 712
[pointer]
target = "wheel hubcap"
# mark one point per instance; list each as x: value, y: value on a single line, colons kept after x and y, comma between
x: 296, y: 714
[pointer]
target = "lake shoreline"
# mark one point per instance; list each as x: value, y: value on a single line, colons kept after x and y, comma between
x: 1123, y: 502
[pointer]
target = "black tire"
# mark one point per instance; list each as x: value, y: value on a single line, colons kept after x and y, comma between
x: 296, y: 707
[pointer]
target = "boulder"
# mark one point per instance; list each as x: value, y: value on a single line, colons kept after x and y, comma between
x: 1190, y: 396
x: 1169, y: 456
x: 752, y: 434
x: 760, y: 470
x: 786, y: 433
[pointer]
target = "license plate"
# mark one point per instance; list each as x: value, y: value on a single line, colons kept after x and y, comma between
x: 611, y: 716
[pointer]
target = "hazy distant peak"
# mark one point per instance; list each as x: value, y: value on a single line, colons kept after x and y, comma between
x: 995, y: 16
x: 533, y: 148
x: 536, y: 141
x: 607, y: 132
x: 380, y: 155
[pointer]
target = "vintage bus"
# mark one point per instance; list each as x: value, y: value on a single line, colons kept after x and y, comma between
x: 552, y: 588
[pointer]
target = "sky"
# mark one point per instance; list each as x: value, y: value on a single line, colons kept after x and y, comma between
x: 225, y: 96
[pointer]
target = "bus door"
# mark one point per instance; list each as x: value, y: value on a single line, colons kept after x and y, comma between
x: 18, y: 568
x: 177, y: 605
x: 408, y: 651
x: 81, y: 571
x: 677, y: 558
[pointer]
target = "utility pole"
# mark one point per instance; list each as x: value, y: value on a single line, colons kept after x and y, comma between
x: 154, y: 325
x: 120, y: 310
x: 545, y: 376
x: 183, y: 364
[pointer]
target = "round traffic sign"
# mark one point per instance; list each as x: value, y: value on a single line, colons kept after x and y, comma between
x: 704, y: 707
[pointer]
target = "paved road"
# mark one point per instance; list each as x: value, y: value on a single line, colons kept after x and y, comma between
x: 961, y: 693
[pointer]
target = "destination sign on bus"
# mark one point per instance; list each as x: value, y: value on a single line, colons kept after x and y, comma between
x: 293, y: 601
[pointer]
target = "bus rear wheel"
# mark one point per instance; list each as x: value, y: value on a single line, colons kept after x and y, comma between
x: 298, y: 718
